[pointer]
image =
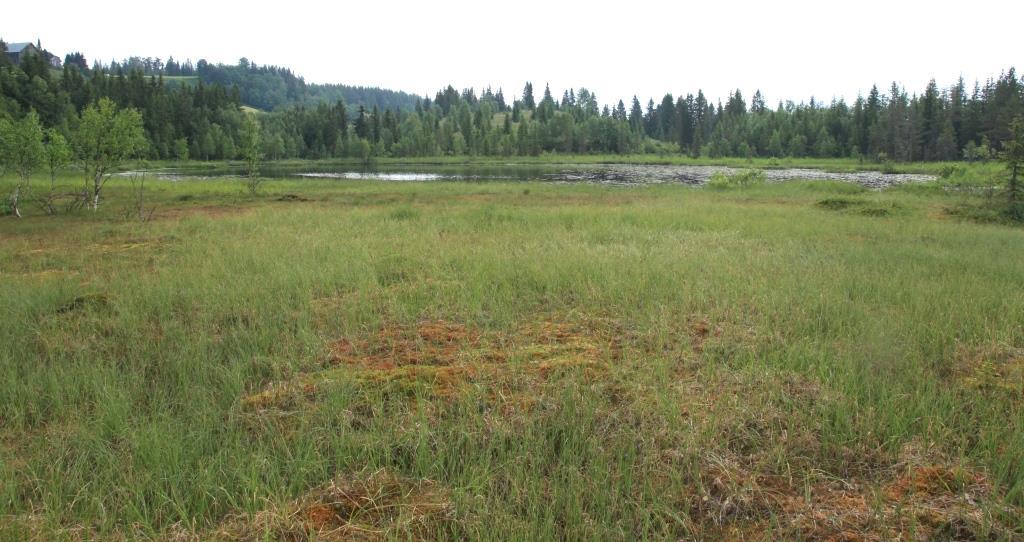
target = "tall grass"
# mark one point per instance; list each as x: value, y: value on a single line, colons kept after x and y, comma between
x: 127, y: 351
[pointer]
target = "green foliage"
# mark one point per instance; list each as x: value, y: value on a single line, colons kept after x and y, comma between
x: 107, y: 137
x: 1013, y: 157
x: 314, y: 121
x: 274, y: 88
x: 741, y: 180
x: 21, y: 151
x: 181, y: 149
x: 58, y: 153
x: 864, y: 207
x: 21, y: 145
x: 251, y: 145
x: 251, y: 153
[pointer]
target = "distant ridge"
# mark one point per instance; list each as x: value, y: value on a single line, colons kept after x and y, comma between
x: 266, y: 87
x: 272, y: 87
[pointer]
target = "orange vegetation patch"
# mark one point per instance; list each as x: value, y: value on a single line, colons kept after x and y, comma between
x: 553, y: 347
x: 700, y: 330
x: 997, y: 368
x: 441, y: 358
x: 374, y: 506
x: 924, y: 503
x: 287, y: 395
x: 432, y: 343
x: 543, y: 345
x: 744, y: 492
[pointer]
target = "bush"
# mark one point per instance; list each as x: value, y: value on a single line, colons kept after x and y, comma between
x: 744, y: 179
x: 988, y: 213
x: 949, y: 171
x: 838, y: 204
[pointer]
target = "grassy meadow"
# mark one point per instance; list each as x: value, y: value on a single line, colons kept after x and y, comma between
x: 512, y: 361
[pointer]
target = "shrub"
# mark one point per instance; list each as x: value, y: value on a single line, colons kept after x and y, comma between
x: 744, y: 179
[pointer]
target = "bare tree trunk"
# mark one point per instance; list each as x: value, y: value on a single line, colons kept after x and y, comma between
x: 14, y: 200
x: 96, y: 186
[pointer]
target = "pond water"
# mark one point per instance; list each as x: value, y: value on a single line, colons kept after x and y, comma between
x: 616, y: 174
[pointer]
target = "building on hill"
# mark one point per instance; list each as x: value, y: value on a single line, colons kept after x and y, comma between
x: 18, y: 51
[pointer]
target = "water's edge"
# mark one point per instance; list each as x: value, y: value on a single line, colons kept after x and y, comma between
x: 617, y: 174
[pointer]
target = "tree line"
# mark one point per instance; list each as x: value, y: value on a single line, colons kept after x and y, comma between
x: 937, y: 124
x: 205, y: 120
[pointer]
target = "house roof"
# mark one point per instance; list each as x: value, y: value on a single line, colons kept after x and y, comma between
x: 17, y: 47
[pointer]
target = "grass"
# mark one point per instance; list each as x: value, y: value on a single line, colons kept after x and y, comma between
x: 360, y: 360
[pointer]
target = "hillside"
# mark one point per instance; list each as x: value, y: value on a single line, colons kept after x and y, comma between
x: 271, y: 87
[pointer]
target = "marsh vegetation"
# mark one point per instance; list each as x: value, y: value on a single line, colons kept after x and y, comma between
x: 503, y: 360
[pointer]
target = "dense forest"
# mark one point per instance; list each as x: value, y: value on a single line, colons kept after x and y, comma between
x: 205, y: 120
x: 262, y: 87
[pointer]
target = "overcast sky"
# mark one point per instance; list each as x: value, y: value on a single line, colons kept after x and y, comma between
x: 791, y: 49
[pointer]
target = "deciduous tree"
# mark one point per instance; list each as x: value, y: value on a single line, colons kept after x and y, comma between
x: 22, y: 151
x: 106, y: 137
x: 251, y: 152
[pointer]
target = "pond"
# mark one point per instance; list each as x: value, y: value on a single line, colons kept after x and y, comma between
x: 615, y: 174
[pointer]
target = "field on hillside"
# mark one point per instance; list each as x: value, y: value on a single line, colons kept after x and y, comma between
x: 511, y: 361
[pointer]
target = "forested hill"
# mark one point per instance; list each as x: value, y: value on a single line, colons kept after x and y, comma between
x: 270, y: 88
x: 263, y: 87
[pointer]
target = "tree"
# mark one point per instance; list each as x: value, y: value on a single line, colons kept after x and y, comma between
x: 251, y: 152
x: 775, y: 146
x: 757, y: 105
x: 106, y: 137
x: 636, y: 116
x: 21, y: 149
x: 181, y: 149
x: 1013, y: 156
x: 58, y: 154
x: 528, y: 100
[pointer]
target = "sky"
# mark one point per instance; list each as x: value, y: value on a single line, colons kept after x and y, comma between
x: 790, y: 50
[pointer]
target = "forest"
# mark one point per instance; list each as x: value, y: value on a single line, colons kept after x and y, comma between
x: 204, y: 120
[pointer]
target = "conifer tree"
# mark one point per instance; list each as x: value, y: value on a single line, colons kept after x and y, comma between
x: 528, y: 101
x: 1013, y: 157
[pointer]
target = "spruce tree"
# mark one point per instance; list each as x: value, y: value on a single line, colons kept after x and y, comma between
x: 528, y: 100
x: 636, y: 116
x: 1013, y: 157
